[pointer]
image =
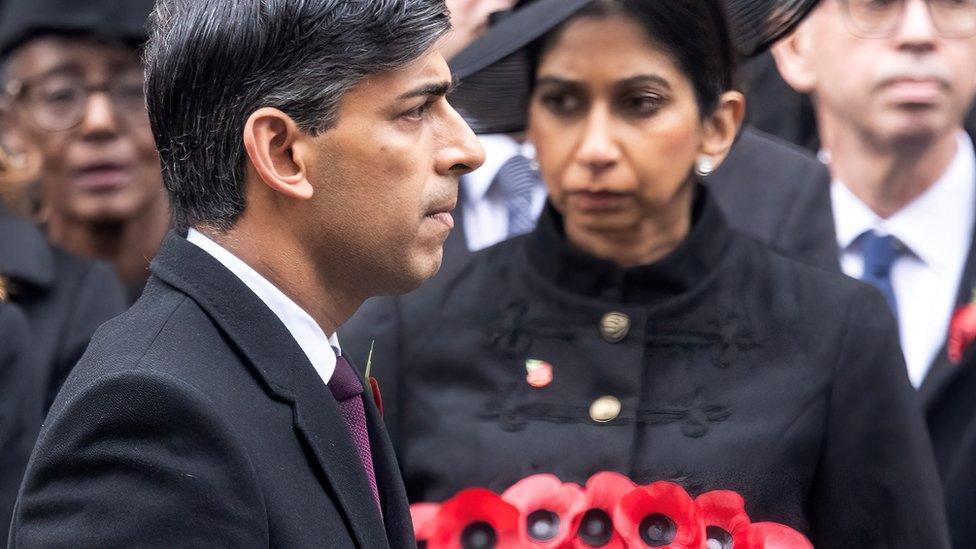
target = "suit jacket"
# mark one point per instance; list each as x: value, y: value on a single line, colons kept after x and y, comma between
x: 195, y: 419
x: 21, y: 405
x: 64, y: 297
x: 948, y: 390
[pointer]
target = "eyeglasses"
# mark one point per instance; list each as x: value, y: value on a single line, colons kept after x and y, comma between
x: 881, y: 18
x: 58, y: 102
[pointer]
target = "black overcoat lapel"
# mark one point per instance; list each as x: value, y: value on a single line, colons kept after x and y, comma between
x: 393, y: 495
x: 942, y: 371
x: 279, y: 363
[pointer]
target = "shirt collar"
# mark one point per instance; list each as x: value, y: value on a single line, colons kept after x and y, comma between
x: 936, y: 226
x: 498, y: 149
x: 307, y: 333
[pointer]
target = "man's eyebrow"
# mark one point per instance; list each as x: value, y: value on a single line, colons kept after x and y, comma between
x: 435, y: 88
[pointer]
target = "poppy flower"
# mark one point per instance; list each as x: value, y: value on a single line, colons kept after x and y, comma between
x: 475, y: 519
x: 962, y: 330
x: 547, y: 507
x: 593, y: 525
x: 423, y: 515
x: 724, y: 514
x: 771, y: 535
x: 661, y: 514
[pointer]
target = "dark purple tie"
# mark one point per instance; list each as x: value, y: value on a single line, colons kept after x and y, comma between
x: 348, y: 392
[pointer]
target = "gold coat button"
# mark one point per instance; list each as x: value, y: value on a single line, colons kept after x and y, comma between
x: 614, y: 326
x: 604, y: 409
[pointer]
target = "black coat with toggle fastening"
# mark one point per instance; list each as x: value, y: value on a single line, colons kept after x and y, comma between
x: 722, y: 366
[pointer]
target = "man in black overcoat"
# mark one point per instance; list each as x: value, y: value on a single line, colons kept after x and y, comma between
x: 312, y: 161
x: 892, y: 126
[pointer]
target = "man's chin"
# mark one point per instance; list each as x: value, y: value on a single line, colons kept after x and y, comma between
x: 415, y: 273
x: 916, y: 127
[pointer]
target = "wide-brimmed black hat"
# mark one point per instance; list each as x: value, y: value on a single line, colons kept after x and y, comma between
x: 22, y: 20
x: 493, y: 71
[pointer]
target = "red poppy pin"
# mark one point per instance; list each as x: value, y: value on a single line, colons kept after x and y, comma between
x: 374, y: 385
x: 962, y: 330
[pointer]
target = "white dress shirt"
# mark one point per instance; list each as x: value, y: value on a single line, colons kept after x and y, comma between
x: 485, y: 215
x: 937, y: 229
x: 307, y: 333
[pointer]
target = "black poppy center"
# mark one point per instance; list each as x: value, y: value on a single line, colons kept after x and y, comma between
x: 478, y: 535
x: 596, y: 528
x: 657, y: 530
x: 718, y: 538
x: 542, y: 525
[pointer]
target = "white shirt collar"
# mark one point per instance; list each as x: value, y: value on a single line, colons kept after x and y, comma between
x: 498, y: 149
x: 936, y: 226
x: 307, y: 333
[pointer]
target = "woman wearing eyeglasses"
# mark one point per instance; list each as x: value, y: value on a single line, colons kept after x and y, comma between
x: 634, y: 331
x: 74, y: 78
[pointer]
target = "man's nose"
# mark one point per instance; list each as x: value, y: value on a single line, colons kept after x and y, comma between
x: 463, y: 152
x: 916, y: 29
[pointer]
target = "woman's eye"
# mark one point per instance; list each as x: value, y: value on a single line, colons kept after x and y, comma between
x: 643, y: 104
x: 562, y: 103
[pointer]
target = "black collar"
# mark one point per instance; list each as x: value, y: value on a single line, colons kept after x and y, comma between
x: 690, y: 264
x: 25, y: 256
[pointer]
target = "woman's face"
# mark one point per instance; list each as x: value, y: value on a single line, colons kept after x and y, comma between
x: 616, y: 126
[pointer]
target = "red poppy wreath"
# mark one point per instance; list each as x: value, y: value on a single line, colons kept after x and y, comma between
x: 542, y: 512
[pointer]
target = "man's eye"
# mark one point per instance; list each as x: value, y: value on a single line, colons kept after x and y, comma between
x: 420, y: 112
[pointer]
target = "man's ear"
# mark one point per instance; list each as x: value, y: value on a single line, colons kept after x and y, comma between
x: 793, y: 59
x: 275, y: 146
x: 722, y: 126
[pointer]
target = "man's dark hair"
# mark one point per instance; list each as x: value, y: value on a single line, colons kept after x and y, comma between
x: 211, y: 63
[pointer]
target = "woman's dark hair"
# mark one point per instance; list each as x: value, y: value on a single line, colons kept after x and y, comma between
x: 695, y: 33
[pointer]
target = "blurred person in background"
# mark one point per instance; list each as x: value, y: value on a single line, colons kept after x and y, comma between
x: 73, y: 76
x: 22, y: 384
x: 633, y: 329
x: 891, y: 123
x: 65, y: 298
x: 770, y: 189
x: 469, y: 21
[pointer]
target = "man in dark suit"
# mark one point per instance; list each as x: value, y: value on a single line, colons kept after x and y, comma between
x: 891, y: 124
x: 312, y: 159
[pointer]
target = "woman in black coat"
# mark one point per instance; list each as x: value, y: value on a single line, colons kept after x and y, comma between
x: 21, y: 403
x: 634, y: 331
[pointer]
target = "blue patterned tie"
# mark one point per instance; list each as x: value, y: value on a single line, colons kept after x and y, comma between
x: 880, y: 253
x: 517, y: 181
